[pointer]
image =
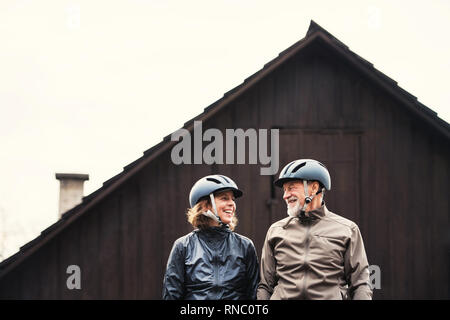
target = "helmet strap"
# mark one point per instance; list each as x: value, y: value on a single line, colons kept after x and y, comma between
x: 210, y: 215
x: 308, y: 199
x: 213, y: 204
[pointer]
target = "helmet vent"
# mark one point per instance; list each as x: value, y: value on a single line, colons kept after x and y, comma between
x: 214, y: 180
x: 298, y: 167
x: 225, y: 179
x: 287, y: 168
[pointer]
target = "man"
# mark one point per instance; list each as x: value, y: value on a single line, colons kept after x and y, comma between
x: 313, y: 253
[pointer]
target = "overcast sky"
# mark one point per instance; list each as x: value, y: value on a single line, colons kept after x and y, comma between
x: 87, y: 86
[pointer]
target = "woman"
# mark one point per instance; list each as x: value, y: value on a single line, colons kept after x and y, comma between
x: 212, y: 262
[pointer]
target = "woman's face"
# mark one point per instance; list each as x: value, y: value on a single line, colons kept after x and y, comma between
x: 226, y: 207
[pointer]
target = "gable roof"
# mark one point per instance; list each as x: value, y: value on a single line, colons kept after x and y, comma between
x: 315, y: 33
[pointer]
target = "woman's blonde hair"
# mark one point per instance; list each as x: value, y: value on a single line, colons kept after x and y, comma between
x: 200, y: 221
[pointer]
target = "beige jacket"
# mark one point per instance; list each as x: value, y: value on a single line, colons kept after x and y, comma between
x: 320, y: 257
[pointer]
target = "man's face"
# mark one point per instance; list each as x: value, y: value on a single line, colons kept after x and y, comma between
x: 294, y: 195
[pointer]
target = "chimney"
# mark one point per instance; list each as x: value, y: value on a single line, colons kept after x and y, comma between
x: 70, y: 190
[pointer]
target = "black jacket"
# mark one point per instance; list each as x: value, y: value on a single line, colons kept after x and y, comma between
x: 215, y: 263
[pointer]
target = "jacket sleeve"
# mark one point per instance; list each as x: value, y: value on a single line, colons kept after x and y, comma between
x: 173, y: 284
x: 357, y: 268
x: 252, y: 271
x: 267, y: 271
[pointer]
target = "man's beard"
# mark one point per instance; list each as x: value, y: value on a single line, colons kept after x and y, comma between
x: 295, y: 210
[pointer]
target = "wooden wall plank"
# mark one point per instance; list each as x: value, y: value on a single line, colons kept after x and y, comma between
x: 69, y: 254
x: 90, y: 252
x: 109, y: 248
x: 129, y: 255
x: 48, y: 271
x: 150, y: 235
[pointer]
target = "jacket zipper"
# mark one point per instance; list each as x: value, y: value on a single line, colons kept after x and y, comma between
x: 307, y: 242
x: 216, y: 274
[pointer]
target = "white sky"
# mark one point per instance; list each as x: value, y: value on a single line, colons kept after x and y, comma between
x: 87, y: 86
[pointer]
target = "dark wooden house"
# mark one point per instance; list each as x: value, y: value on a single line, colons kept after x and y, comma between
x: 388, y: 156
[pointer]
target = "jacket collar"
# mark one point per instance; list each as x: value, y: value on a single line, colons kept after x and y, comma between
x: 313, y: 215
x: 310, y: 216
x: 318, y: 213
x: 224, y: 229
